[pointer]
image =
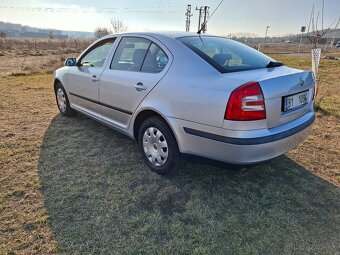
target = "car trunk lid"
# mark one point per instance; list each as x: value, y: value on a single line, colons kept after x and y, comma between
x: 278, y: 83
x: 278, y: 91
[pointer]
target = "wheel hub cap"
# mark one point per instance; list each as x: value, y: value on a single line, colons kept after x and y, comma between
x: 155, y: 146
x: 61, y: 99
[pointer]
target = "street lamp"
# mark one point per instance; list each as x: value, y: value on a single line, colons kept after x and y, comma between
x: 303, y: 29
x: 265, y: 37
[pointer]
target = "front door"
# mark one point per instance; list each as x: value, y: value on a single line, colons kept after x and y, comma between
x: 84, y: 79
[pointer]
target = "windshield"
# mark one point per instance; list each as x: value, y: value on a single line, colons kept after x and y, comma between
x: 226, y: 55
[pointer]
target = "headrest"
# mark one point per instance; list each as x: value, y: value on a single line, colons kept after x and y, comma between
x: 222, y: 58
x: 138, y: 56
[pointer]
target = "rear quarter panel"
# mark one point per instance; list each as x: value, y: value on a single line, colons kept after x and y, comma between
x: 191, y: 90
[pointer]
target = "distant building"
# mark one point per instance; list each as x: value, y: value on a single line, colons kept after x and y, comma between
x: 41, y: 34
x: 330, y: 34
x: 34, y: 35
x: 13, y: 33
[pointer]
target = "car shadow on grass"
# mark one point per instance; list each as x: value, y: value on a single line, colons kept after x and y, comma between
x: 102, y: 199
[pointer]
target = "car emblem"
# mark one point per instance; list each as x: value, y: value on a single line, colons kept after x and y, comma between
x: 302, y: 83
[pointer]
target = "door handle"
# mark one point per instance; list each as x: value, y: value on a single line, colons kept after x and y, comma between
x: 94, y: 78
x: 139, y: 86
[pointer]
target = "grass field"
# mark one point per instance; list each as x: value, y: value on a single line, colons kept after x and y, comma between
x: 73, y: 186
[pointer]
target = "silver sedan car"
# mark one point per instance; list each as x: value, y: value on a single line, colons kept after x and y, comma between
x: 185, y: 93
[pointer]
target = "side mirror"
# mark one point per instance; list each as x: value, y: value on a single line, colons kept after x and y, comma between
x: 70, y: 62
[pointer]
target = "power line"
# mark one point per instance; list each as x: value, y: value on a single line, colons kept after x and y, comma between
x: 205, y: 23
x: 151, y: 9
x: 203, y: 12
x: 215, y: 10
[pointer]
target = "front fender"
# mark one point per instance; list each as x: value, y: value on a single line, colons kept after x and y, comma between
x: 61, y: 75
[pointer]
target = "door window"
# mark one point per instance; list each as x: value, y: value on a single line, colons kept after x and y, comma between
x: 97, y: 55
x: 139, y: 54
x: 155, y: 60
x: 130, y: 54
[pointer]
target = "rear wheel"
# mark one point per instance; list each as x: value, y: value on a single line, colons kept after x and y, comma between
x: 62, y: 101
x: 158, y: 146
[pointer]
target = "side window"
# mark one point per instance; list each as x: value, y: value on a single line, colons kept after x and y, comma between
x: 155, y: 60
x: 130, y: 54
x: 96, y: 56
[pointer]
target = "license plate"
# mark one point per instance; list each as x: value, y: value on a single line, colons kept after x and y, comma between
x: 295, y: 101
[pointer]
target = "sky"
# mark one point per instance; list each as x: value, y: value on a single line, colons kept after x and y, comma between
x: 233, y: 16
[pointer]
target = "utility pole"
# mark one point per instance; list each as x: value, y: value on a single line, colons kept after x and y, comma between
x: 188, y: 15
x: 199, y: 17
x: 206, y: 16
x: 203, y: 11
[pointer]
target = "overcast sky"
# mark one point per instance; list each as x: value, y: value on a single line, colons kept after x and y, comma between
x: 245, y: 16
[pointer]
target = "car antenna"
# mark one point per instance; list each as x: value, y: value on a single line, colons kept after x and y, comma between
x: 205, y: 23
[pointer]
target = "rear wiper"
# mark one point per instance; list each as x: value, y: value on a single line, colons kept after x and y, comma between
x: 274, y: 64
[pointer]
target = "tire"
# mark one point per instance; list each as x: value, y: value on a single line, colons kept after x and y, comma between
x: 158, y: 146
x: 62, y: 101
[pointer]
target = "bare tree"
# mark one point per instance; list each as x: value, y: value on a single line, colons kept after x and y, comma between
x: 314, y: 33
x: 118, y: 25
x: 101, y: 31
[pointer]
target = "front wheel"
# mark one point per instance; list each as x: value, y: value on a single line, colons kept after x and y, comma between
x: 62, y: 101
x: 158, y: 146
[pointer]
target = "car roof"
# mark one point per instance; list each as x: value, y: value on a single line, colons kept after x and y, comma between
x: 169, y: 34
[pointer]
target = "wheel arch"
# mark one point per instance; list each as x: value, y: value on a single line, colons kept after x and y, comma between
x: 55, y: 82
x: 145, y: 114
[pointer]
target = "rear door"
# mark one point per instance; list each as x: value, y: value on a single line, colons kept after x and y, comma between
x: 137, y: 66
x: 83, y: 79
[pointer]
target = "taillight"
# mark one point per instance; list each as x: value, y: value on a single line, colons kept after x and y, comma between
x: 246, y: 103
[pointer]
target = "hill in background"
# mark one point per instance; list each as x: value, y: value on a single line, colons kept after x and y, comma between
x: 21, y: 31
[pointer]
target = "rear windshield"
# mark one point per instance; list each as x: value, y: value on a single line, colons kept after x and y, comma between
x: 226, y: 55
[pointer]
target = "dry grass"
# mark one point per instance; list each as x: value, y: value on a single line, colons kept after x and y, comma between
x: 321, y: 152
x: 289, y: 48
x: 26, y: 56
x: 73, y: 186
x: 24, y: 228
x: 328, y: 79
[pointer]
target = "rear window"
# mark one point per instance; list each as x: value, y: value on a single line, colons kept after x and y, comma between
x: 226, y: 55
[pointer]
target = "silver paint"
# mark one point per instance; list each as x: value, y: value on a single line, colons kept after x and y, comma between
x: 191, y: 93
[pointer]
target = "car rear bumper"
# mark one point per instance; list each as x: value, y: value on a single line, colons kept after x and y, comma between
x: 241, y: 147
